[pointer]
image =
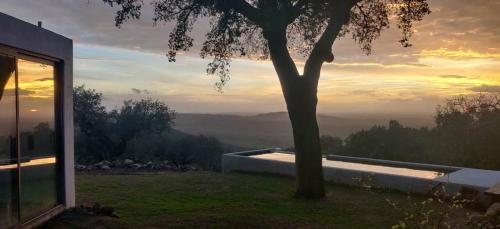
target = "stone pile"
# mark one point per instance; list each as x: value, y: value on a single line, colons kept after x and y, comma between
x: 128, y: 164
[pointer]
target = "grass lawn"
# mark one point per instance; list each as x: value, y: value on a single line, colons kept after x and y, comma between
x: 216, y: 200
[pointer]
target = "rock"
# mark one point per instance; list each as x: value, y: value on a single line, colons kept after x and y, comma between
x: 493, y: 210
x: 191, y: 168
x: 137, y: 166
x: 149, y: 164
x: 108, y: 211
x: 103, y: 163
x: 158, y: 165
x: 128, y: 162
x: 117, y: 164
x: 97, y: 209
x: 476, y: 218
x: 469, y: 193
x: 483, y: 201
x: 80, y: 167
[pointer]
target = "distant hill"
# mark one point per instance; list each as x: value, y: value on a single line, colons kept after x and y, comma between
x: 274, y: 129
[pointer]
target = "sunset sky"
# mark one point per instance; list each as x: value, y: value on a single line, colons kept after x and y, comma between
x: 456, y: 50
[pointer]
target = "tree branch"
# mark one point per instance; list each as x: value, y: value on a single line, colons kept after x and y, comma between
x: 242, y: 7
x: 322, y: 50
x: 298, y: 9
x: 280, y: 56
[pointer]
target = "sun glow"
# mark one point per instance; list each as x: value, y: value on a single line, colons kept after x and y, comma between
x: 458, y: 54
x: 36, y: 80
x: 34, y: 162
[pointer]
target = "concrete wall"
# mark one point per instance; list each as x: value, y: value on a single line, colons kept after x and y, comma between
x: 241, y: 161
x: 29, y: 39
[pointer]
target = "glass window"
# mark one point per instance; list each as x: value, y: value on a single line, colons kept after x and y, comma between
x: 8, y: 152
x: 37, y: 137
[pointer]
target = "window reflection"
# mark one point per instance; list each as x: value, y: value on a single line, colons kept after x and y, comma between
x: 37, y: 137
x: 8, y: 154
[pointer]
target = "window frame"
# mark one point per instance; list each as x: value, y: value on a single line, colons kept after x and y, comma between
x: 58, y: 64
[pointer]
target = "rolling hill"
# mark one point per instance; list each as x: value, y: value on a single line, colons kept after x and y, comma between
x: 274, y: 129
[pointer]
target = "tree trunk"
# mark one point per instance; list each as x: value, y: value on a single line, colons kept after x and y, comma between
x: 301, y: 105
x: 300, y: 94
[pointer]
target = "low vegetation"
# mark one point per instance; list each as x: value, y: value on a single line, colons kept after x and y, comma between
x: 139, y: 130
x: 214, y: 200
x: 466, y: 134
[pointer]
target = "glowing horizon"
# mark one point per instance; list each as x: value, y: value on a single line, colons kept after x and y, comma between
x: 456, y: 50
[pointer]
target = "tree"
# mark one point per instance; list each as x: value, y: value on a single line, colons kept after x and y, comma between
x: 142, y: 117
x: 331, y: 145
x: 394, y: 142
x: 91, y: 122
x: 467, y: 130
x: 270, y: 29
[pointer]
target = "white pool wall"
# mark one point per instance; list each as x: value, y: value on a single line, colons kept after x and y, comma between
x: 242, y: 161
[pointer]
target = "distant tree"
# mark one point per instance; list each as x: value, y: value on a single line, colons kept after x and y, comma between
x: 208, y: 151
x: 180, y: 150
x: 468, y: 129
x: 145, y: 146
x: 141, y: 117
x: 331, y: 145
x: 466, y: 134
x: 91, y: 124
x: 394, y: 142
x: 269, y: 29
x: 43, y: 139
x: 140, y: 130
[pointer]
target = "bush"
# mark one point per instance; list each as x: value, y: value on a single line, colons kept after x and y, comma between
x: 466, y: 134
x: 139, y: 130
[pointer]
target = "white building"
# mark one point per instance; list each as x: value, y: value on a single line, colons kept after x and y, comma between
x: 36, y: 123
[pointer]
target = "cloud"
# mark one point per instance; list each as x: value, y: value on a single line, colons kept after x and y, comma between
x: 104, y: 60
x: 139, y: 91
x: 457, y: 54
x: 20, y: 91
x: 453, y: 23
x: 486, y: 88
x: 453, y: 76
x: 382, y: 65
x: 92, y: 22
x: 364, y: 92
x: 45, y: 79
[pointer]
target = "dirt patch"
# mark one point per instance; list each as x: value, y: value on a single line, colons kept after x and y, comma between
x: 87, y: 216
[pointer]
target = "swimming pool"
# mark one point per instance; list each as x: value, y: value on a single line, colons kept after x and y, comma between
x: 397, y: 175
x: 287, y: 157
x: 414, y: 179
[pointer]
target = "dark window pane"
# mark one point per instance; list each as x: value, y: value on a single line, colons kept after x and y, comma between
x: 36, y: 124
x: 8, y: 154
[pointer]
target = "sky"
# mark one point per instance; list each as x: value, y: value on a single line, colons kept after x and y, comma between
x: 456, y: 50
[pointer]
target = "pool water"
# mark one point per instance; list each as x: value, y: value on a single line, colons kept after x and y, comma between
x: 276, y: 156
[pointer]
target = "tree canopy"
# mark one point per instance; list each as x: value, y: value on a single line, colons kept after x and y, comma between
x: 466, y: 134
x: 248, y: 27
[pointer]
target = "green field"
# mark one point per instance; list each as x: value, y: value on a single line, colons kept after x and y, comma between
x: 216, y: 200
